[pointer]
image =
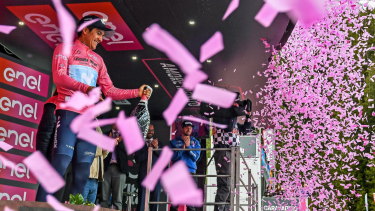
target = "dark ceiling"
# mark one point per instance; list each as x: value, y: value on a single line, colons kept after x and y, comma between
x: 237, y: 65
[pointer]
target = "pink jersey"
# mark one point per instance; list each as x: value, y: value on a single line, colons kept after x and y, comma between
x: 82, y: 69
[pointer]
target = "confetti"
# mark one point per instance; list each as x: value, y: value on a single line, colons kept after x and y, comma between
x: 44, y: 172
x: 175, y: 107
x: 212, y: 46
x: 214, y: 95
x: 7, y: 29
x: 232, y: 6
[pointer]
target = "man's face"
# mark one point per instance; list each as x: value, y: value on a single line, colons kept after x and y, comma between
x: 92, y: 38
x: 151, y: 131
x: 187, y: 130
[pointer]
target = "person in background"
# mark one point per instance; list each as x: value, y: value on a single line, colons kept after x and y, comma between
x: 186, y: 141
x: 96, y: 174
x: 115, y: 173
x: 141, y: 157
x: 82, y: 70
x: 46, y: 130
x: 225, y: 138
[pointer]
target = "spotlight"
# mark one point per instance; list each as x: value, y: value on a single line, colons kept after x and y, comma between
x: 21, y: 23
x: 191, y: 22
x: 134, y: 58
x: 156, y: 85
x: 117, y: 107
x: 208, y: 60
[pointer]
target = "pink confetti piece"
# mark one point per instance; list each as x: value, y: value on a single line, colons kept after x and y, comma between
x: 5, y: 146
x: 266, y: 15
x: 7, y: 29
x: 92, y: 136
x: 232, y: 6
x: 163, y: 41
x: 212, y: 46
x: 202, y: 121
x: 44, y: 172
x: 55, y: 204
x: 130, y: 132
x: 175, y: 107
x: 102, y: 122
x: 194, y: 78
x: 281, y: 5
x: 152, y: 178
x: 67, y: 26
x: 86, y: 117
x: 80, y: 100
x: 8, y: 209
x: 96, y: 208
x: 214, y: 95
x: 308, y: 11
x: 87, y: 23
x: 180, y: 186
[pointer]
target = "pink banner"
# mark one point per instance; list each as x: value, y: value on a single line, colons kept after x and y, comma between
x: 21, y: 107
x: 19, y: 173
x: 123, y: 39
x: 42, y: 20
x: 23, y: 77
x: 16, y: 193
x: 20, y: 137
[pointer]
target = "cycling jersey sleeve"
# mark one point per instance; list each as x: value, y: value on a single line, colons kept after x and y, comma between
x: 106, y: 85
x: 60, y: 72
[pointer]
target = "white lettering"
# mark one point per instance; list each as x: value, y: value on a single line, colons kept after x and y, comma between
x: 20, y: 171
x: 45, y: 22
x: 26, y: 110
x: 31, y: 82
x: 15, y: 196
x: 24, y: 140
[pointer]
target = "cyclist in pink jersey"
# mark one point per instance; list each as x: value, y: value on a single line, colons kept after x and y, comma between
x: 82, y: 71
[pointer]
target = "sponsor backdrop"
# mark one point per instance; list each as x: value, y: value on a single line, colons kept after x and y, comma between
x: 42, y: 20
x: 23, y: 91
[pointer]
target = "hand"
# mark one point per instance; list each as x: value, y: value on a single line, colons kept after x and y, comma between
x: 186, y: 139
x: 90, y: 89
x: 155, y: 143
x: 118, y: 140
x: 144, y: 90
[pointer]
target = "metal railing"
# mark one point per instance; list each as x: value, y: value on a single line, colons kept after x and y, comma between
x: 235, y: 181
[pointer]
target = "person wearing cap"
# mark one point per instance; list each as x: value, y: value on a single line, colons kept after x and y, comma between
x: 82, y: 71
x: 186, y: 141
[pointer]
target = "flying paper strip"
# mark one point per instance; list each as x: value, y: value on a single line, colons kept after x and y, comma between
x: 44, y: 172
x: 152, y: 178
x: 175, y: 107
x: 130, y: 133
x: 232, y: 6
x: 98, y: 139
x: 7, y: 29
x: 8, y: 209
x: 160, y: 39
x: 5, y: 146
x: 214, y: 95
x: 194, y: 78
x: 195, y: 119
x: 87, y: 116
x: 87, y: 23
x: 180, y: 186
x: 308, y: 12
x: 56, y: 204
x: 212, y: 46
x: 80, y: 100
x: 282, y: 5
x: 266, y: 15
x: 67, y: 26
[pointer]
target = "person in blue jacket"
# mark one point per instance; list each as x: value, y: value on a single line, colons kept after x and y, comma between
x: 186, y: 141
